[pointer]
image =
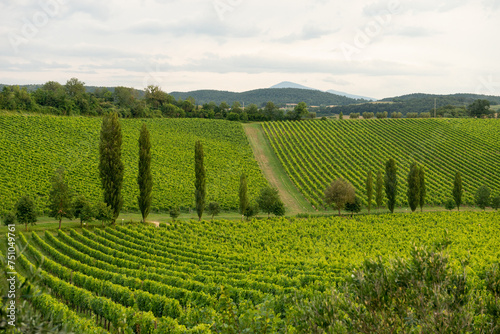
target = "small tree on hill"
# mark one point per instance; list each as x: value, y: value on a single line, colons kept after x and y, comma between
x: 251, y: 210
x: 174, y: 212
x: 482, y: 197
x: 369, y: 189
x: 9, y: 218
x: 339, y: 193
x: 379, y: 190
x: 213, y: 209
x: 60, y: 197
x: 391, y: 184
x: 83, y: 210
x: 341, y: 115
x: 495, y: 202
x: 353, y: 207
x: 144, y: 178
x: 413, y: 186
x: 104, y: 213
x: 26, y: 211
x: 269, y: 201
x: 243, y: 195
x: 199, y: 183
x: 457, y: 190
x: 449, y: 204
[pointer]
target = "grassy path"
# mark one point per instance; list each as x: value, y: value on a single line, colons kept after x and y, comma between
x: 273, y: 171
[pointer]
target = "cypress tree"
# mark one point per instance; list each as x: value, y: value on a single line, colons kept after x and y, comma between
x: 457, y: 190
x: 144, y: 178
x: 379, y: 190
x: 422, y: 188
x: 243, y: 195
x: 369, y: 189
x: 413, y: 186
x: 391, y: 184
x: 199, y: 183
x: 110, y: 164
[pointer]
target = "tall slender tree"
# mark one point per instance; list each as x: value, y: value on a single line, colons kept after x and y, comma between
x: 60, y: 197
x: 379, y: 190
x: 391, y: 184
x: 144, y: 178
x: 243, y: 195
x: 457, y: 190
x: 369, y: 189
x: 413, y: 186
x: 199, y: 184
x: 422, y: 191
x: 110, y: 163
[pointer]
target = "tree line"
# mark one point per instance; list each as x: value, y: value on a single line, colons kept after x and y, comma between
x: 73, y: 99
x: 341, y: 194
x: 64, y: 203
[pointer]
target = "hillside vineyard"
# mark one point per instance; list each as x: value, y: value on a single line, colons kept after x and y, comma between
x: 313, y: 153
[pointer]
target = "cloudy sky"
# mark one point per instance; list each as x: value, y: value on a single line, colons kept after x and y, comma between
x: 371, y: 48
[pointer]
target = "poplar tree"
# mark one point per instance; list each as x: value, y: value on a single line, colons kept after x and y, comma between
x: 369, y: 189
x: 379, y: 190
x: 243, y: 195
x: 414, y: 186
x: 110, y: 163
x: 199, y: 183
x: 144, y: 178
x: 457, y: 190
x: 391, y: 184
x: 422, y: 189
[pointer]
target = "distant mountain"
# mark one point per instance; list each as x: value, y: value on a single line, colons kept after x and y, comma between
x: 352, y: 96
x: 280, y: 97
x: 417, y: 102
x: 288, y: 84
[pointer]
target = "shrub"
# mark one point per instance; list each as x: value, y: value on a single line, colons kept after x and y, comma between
x: 449, y: 204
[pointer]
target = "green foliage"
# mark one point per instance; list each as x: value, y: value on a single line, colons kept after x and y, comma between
x: 9, y: 218
x: 110, y: 164
x: 83, y: 210
x: 26, y: 211
x: 479, y: 108
x: 482, y: 197
x: 495, y: 202
x: 391, y: 184
x: 174, y: 212
x: 339, y: 193
x: 354, y: 115
x: 29, y: 151
x: 353, y: 207
x: 381, y: 115
x: 104, y: 213
x: 243, y: 194
x: 269, y: 202
x: 457, y: 190
x: 422, y: 187
x: 450, y: 204
x: 341, y: 115
x: 251, y: 210
x: 423, y: 294
x: 369, y: 190
x: 200, y: 179
x: 60, y: 197
x: 414, y: 186
x: 213, y: 209
x: 379, y: 190
x: 144, y: 178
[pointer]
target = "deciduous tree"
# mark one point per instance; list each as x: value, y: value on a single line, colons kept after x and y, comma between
x: 26, y: 211
x: 60, y: 197
x: 339, y: 193
x: 482, y: 197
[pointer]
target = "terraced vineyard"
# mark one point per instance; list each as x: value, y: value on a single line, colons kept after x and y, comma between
x: 194, y: 277
x: 33, y: 147
x: 313, y: 153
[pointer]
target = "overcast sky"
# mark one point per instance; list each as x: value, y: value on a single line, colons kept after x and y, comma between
x: 372, y: 48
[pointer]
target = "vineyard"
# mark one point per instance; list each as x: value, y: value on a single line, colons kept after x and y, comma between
x: 33, y: 147
x: 314, y: 153
x: 192, y: 277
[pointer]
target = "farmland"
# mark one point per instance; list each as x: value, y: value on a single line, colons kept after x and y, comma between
x: 195, y: 269
x: 33, y: 147
x: 314, y: 153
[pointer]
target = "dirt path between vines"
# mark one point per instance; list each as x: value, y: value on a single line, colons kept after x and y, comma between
x: 272, y: 170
